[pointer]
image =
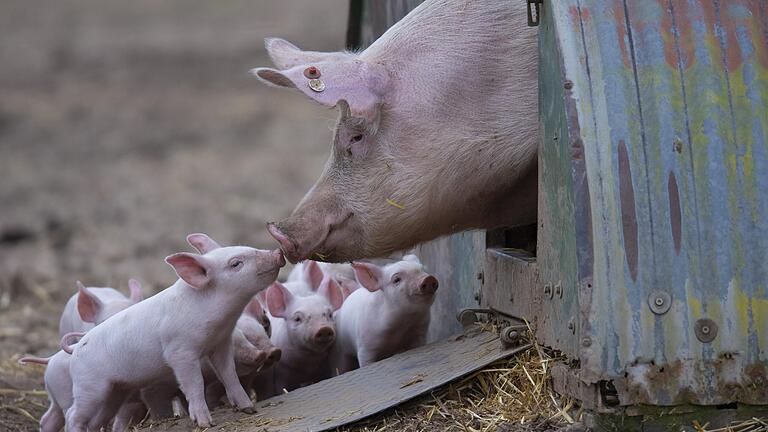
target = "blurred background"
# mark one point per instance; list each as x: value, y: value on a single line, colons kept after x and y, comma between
x: 125, y: 125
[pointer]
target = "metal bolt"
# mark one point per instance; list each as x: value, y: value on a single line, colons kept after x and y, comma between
x: 568, y: 84
x: 559, y: 289
x: 586, y: 342
x: 572, y: 326
x: 706, y: 330
x: 548, y: 290
x: 659, y: 302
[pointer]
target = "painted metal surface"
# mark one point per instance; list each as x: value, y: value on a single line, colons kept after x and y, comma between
x: 366, y: 391
x: 669, y: 100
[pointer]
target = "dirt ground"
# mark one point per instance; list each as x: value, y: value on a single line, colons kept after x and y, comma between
x: 125, y: 125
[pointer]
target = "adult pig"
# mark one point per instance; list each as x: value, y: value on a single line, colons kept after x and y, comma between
x: 437, y: 131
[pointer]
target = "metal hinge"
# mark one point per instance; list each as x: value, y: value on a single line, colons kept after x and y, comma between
x: 533, y: 18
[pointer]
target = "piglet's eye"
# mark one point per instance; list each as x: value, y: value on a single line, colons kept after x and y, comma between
x: 235, y: 263
x: 396, y: 279
x: 356, y: 138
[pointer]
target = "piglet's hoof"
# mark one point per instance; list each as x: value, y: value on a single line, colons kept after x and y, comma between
x: 248, y: 410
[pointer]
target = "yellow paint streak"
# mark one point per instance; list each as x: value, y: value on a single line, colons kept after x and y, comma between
x: 694, y: 304
x: 760, y: 317
x: 741, y: 306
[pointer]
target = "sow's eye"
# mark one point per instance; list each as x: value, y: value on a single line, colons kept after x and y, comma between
x: 235, y: 263
x: 353, y: 141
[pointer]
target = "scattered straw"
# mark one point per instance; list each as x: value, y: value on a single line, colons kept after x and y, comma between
x: 752, y: 425
x: 507, y: 392
x: 395, y: 204
x: 19, y: 410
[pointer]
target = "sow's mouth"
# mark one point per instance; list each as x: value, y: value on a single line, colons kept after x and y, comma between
x: 289, y: 248
x: 294, y: 251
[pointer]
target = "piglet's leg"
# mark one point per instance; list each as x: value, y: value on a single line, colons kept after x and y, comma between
x: 223, y: 362
x: 53, y: 419
x: 186, y: 368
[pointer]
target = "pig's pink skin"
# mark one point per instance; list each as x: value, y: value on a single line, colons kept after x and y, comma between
x: 385, y: 317
x: 437, y: 132
x: 132, y: 411
x: 58, y: 382
x: 303, y: 328
x: 99, y: 303
x: 170, y: 334
x: 305, y: 272
x: 58, y: 385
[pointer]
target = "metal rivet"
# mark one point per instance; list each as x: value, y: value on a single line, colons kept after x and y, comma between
x: 677, y: 145
x: 548, y: 290
x: 312, y: 72
x: 572, y: 326
x: 568, y: 84
x: 659, y: 302
x: 559, y: 289
x: 706, y: 330
x: 467, y: 318
x: 586, y: 342
x: 317, y: 85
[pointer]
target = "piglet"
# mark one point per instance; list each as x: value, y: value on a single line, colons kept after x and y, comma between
x: 306, y: 276
x: 91, y: 305
x: 95, y: 305
x: 173, y: 332
x: 389, y: 316
x: 253, y: 350
x: 303, y: 328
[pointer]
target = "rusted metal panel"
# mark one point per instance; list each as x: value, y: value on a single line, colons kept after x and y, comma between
x: 366, y: 391
x: 457, y: 262
x: 670, y: 99
x: 377, y: 16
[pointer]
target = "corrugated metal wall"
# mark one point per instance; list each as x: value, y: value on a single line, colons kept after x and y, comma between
x: 671, y: 101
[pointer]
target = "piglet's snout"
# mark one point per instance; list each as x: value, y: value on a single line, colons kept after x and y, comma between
x: 274, y: 355
x: 325, y: 336
x: 428, y: 285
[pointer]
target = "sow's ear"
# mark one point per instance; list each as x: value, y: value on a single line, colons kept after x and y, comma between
x: 363, y: 85
x: 286, y: 55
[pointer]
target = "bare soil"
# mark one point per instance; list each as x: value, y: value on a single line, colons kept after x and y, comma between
x: 125, y: 125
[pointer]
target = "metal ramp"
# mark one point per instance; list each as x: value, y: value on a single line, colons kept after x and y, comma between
x: 364, y: 392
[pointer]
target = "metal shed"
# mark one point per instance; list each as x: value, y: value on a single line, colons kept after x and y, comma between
x: 651, y: 263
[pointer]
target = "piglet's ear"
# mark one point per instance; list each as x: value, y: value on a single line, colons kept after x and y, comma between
x: 412, y: 258
x: 313, y: 274
x: 88, y: 305
x: 361, y: 84
x: 278, y: 299
x: 254, y: 308
x: 368, y: 275
x: 135, y: 287
x: 286, y: 55
x: 348, y: 286
x: 191, y: 268
x: 202, y: 243
x: 331, y: 290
